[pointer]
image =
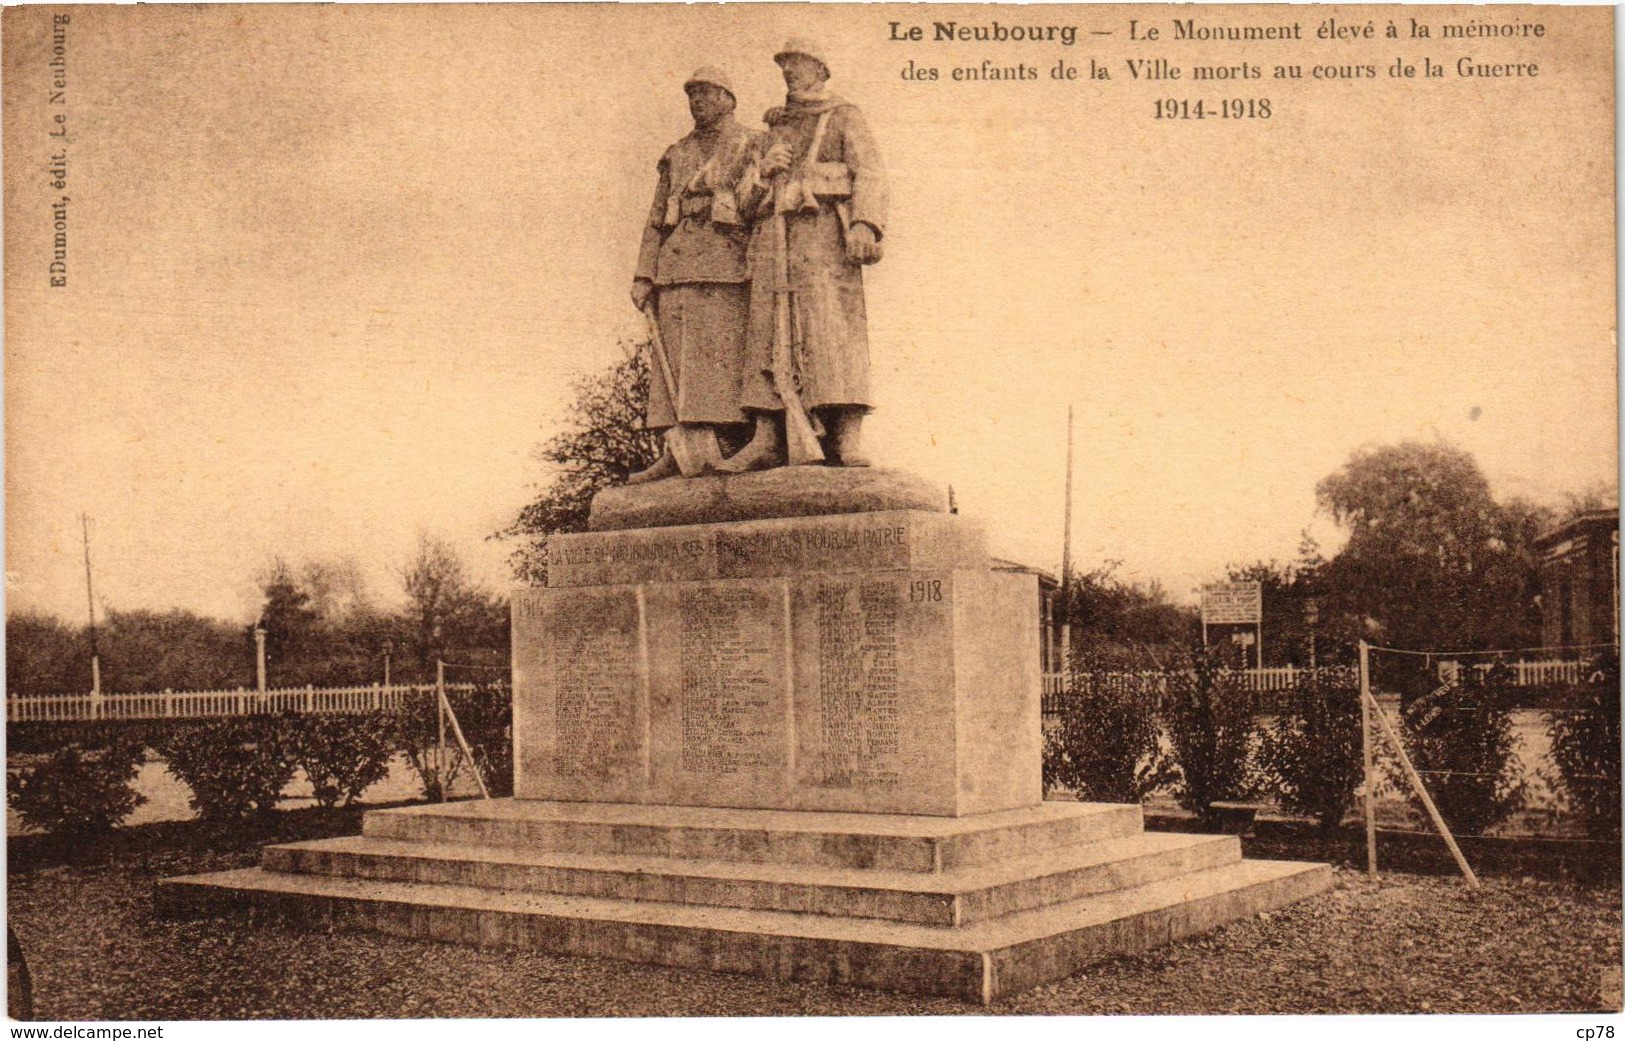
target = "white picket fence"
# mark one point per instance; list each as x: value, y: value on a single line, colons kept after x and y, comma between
x: 195, y: 704
x: 1278, y: 678
x: 244, y: 701
x: 1285, y: 677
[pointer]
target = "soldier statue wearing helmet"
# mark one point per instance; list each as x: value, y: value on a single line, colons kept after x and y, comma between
x: 692, y: 279
x: 817, y: 194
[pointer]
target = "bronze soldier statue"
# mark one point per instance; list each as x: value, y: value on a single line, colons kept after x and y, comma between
x: 691, y: 282
x: 818, y: 192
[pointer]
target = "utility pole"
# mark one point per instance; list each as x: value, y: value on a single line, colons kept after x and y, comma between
x: 1066, y: 555
x: 90, y: 603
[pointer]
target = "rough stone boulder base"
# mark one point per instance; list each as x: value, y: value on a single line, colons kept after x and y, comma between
x: 797, y: 491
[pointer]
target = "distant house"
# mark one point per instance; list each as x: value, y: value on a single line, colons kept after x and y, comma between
x: 1049, y: 589
x: 1579, y: 581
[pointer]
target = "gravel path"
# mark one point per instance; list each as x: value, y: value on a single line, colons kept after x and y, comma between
x: 1398, y: 944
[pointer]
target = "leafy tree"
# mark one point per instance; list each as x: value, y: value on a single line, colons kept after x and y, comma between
x: 447, y: 612
x: 336, y: 590
x: 322, y: 626
x: 292, y: 628
x: 1593, y: 498
x: 178, y: 650
x: 1432, y: 561
x: 602, y: 443
x: 1292, y: 593
x: 45, y: 655
x: 1118, y: 623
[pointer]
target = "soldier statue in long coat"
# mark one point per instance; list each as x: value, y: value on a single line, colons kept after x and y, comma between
x: 691, y: 276
x: 818, y: 192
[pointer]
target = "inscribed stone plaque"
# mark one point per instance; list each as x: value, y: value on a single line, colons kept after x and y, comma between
x: 874, y: 684
x: 820, y: 544
x: 719, y: 691
x: 897, y: 540
x: 596, y: 688
x: 910, y: 691
x: 857, y: 742
x: 609, y: 558
x: 730, y: 674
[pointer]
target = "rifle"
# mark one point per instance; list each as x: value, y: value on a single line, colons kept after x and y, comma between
x: 692, y: 458
x: 800, y: 434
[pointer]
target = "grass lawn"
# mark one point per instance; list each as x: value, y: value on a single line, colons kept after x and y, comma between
x: 1399, y: 943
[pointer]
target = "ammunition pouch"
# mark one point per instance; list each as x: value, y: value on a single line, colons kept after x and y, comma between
x: 828, y: 180
x: 717, y: 207
x: 815, y: 183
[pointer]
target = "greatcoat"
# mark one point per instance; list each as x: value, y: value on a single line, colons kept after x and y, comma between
x: 844, y: 184
x: 693, y: 250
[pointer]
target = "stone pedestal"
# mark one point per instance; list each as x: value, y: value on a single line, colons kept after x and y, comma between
x: 865, y: 662
x: 804, y: 747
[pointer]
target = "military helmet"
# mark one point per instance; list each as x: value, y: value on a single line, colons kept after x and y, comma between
x: 712, y: 75
x: 806, y: 48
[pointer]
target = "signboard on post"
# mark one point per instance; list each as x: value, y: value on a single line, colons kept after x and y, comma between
x: 1233, y: 603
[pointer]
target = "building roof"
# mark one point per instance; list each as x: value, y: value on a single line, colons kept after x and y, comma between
x: 1046, y: 580
x: 1585, y: 522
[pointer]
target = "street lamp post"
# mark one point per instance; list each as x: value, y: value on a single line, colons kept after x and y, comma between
x: 259, y: 657
x: 1311, y: 618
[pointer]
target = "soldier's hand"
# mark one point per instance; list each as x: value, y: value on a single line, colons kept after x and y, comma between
x: 777, y: 160
x: 861, y: 247
x: 642, y: 290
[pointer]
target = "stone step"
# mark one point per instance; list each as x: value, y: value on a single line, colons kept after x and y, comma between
x: 954, y: 897
x: 981, y: 962
x: 855, y: 840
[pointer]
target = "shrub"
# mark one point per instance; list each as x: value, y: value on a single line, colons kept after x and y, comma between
x: 233, y: 766
x: 1104, y: 747
x: 486, y: 716
x: 416, y: 734
x: 78, y: 790
x: 343, y: 755
x: 1312, y: 748
x: 1463, y: 744
x: 1209, y: 717
x: 1585, y: 744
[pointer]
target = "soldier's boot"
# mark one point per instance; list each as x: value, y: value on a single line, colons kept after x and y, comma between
x: 849, y: 438
x: 695, y: 447
x: 665, y: 466
x: 764, y: 450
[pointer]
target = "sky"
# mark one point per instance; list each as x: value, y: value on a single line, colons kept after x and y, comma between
x: 332, y: 272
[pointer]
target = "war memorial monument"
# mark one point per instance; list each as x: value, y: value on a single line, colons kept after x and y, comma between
x: 775, y: 712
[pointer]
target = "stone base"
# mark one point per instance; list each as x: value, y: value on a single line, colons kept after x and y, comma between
x: 789, y: 491
x: 977, y: 907
x: 851, y: 662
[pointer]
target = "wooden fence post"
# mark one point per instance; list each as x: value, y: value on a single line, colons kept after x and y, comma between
x: 1365, y: 750
x: 1422, y: 793
x: 440, y: 714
